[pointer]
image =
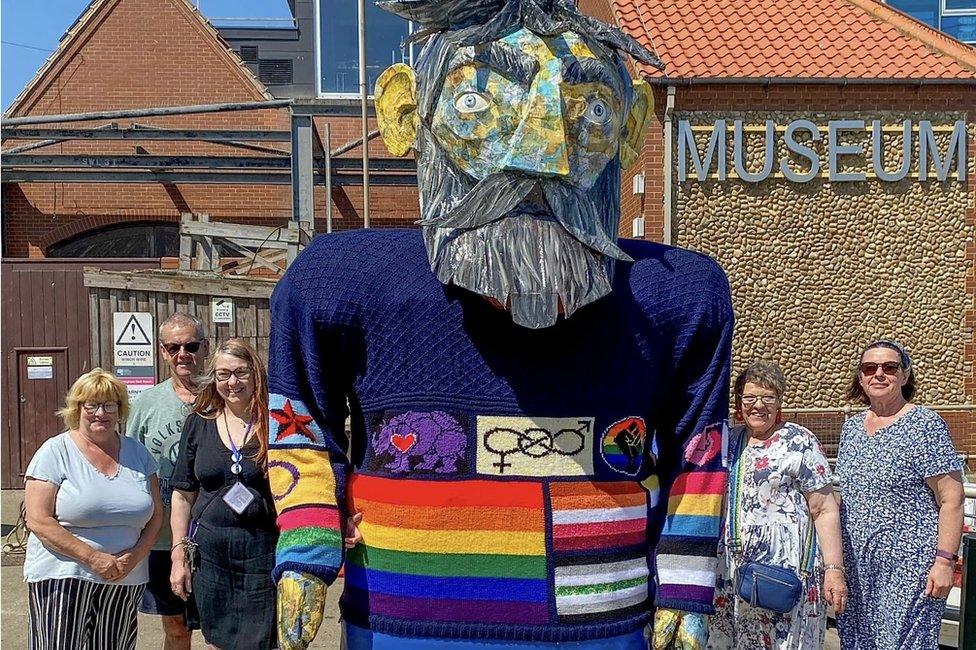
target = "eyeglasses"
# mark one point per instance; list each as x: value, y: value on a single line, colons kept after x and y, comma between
x: 869, y: 368
x: 749, y: 400
x: 92, y: 408
x: 240, y: 373
x: 172, y: 349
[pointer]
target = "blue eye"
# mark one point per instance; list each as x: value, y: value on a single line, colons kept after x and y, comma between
x: 470, y: 102
x: 598, y: 112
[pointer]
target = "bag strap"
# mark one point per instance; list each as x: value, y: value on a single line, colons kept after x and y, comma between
x: 737, y: 473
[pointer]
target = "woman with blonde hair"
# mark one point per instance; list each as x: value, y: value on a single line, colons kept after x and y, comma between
x: 94, y: 511
x: 223, y: 516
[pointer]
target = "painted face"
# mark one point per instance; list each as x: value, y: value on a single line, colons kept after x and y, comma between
x: 759, y: 407
x: 881, y: 385
x: 541, y: 105
x: 234, y: 378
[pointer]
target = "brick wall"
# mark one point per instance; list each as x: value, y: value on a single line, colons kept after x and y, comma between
x: 146, y: 53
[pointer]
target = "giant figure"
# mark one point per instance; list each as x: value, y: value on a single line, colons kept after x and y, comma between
x: 535, y: 408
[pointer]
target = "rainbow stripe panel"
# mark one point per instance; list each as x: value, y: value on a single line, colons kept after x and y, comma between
x: 599, y: 536
x: 460, y: 551
x: 685, y: 560
x: 303, y: 486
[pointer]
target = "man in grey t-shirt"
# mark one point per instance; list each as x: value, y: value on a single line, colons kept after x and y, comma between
x: 156, y: 420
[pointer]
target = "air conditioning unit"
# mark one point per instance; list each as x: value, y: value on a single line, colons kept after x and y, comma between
x: 639, y: 227
x: 639, y: 183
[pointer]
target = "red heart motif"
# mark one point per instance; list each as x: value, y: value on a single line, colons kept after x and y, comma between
x: 403, y: 442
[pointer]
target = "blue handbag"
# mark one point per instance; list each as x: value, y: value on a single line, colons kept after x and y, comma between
x: 769, y: 586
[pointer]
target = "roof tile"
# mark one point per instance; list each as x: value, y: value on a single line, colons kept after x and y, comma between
x: 804, y: 39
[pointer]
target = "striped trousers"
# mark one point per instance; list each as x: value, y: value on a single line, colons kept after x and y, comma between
x: 73, y: 614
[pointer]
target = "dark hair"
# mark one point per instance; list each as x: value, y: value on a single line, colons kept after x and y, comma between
x: 855, y: 392
x: 764, y: 373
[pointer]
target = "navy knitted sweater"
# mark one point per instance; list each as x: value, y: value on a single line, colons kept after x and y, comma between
x: 540, y: 485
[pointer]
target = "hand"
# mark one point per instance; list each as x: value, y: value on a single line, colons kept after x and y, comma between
x: 301, y: 605
x: 835, y: 590
x: 940, y: 579
x: 680, y: 630
x: 353, y: 536
x: 126, y: 562
x: 180, y: 578
x: 105, y: 566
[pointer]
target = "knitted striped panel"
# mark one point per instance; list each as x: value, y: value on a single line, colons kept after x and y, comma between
x: 686, y: 561
x: 303, y: 485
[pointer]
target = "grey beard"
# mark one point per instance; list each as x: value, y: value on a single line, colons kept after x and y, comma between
x: 531, y: 265
x: 534, y: 245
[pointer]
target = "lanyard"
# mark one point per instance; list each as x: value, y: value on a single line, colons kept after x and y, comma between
x: 736, y: 484
x: 235, y: 454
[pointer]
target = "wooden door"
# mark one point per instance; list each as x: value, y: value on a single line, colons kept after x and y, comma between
x: 42, y: 382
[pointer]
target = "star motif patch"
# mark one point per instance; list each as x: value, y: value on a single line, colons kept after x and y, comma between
x: 291, y: 423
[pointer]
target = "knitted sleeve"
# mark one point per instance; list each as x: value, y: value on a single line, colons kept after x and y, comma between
x: 692, y: 463
x: 307, y: 465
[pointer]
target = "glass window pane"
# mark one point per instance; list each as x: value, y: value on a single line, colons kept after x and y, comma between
x: 926, y: 11
x: 339, y: 44
x: 956, y: 5
x: 960, y: 27
x: 129, y: 240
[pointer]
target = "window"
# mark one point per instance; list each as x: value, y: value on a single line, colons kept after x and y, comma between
x: 962, y: 28
x: 959, y: 5
x: 926, y: 11
x: 338, y: 43
x: 123, y: 240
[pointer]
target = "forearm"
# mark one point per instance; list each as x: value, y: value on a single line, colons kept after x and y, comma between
x: 179, y: 518
x: 57, y: 538
x: 150, y: 533
x: 950, y: 526
x: 827, y: 524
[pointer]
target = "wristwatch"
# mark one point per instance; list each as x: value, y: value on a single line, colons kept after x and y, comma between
x: 946, y: 555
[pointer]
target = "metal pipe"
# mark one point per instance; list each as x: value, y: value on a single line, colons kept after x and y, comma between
x: 668, y: 164
x: 147, y: 112
x: 363, y: 92
x: 328, y: 178
x: 354, y: 143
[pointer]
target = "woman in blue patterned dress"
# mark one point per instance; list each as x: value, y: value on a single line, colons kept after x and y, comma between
x: 901, y: 509
x: 786, y: 495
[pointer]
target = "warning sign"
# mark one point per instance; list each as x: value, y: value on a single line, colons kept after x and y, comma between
x: 222, y: 310
x: 135, y: 350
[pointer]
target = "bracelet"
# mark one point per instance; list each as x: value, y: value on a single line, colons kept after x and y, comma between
x: 946, y: 555
x: 835, y: 567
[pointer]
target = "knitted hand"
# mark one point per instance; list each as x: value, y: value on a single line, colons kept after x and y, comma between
x: 301, y: 604
x: 679, y: 630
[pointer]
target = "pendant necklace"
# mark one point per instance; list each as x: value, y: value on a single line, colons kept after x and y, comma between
x: 235, y: 453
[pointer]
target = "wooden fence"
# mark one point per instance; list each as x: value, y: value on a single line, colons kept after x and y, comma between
x: 161, y: 293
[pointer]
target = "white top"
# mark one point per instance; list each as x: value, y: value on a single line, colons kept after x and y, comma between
x: 108, y: 513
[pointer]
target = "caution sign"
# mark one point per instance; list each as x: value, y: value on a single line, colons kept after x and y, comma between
x: 135, y: 350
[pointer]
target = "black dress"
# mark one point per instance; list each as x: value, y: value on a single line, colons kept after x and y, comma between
x: 232, y: 586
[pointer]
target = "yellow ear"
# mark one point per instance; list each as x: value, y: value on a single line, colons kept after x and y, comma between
x: 396, y: 108
x: 641, y: 109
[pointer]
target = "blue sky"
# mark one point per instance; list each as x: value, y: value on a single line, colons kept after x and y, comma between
x: 30, y: 31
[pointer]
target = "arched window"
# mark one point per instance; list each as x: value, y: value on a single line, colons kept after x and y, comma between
x: 138, y: 239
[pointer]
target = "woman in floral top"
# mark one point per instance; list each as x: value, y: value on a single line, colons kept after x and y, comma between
x: 786, y: 488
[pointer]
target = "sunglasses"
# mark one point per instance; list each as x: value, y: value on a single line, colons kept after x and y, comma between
x: 888, y: 367
x: 172, y: 349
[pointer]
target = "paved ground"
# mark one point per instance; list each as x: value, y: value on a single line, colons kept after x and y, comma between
x: 13, y: 601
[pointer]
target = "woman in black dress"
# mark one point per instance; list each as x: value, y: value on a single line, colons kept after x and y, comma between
x: 223, y: 516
